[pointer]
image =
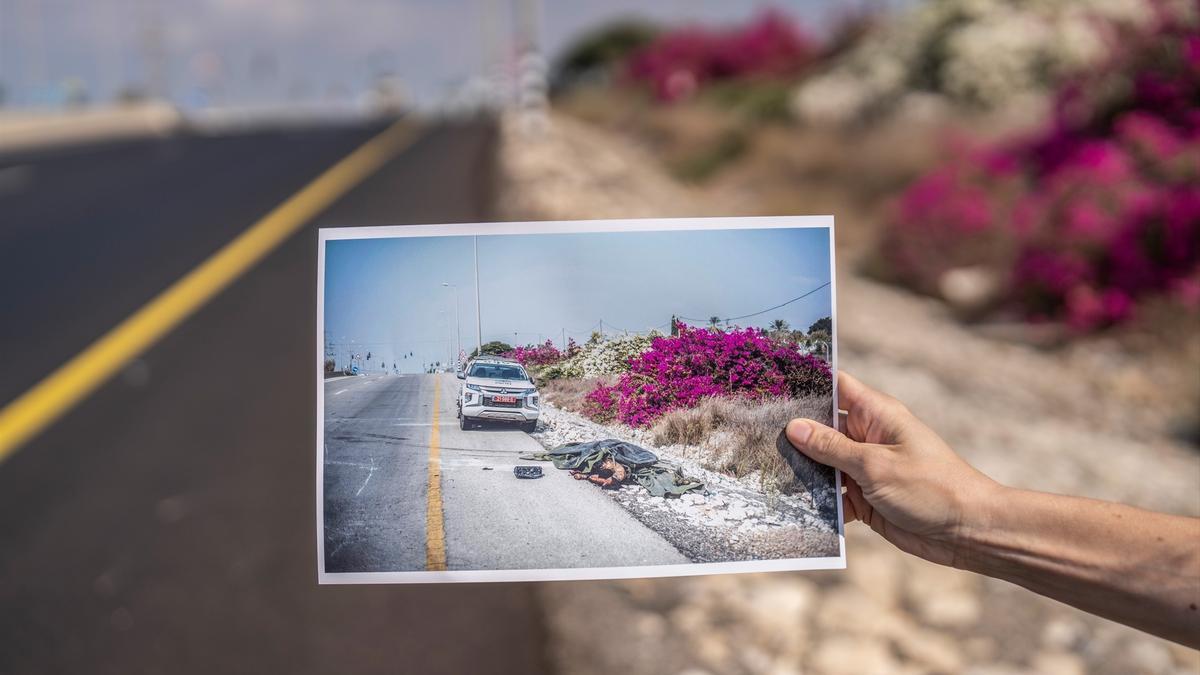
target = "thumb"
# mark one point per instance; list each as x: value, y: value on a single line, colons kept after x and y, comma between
x: 826, y: 445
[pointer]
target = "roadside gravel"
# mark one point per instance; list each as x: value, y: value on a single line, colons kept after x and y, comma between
x: 733, y: 519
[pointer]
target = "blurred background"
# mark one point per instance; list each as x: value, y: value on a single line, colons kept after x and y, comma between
x: 1016, y: 185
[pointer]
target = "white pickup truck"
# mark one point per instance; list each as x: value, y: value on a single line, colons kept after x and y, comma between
x: 496, y: 388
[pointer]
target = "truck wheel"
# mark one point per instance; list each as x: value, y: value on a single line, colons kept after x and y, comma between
x: 463, y: 422
x: 529, y: 427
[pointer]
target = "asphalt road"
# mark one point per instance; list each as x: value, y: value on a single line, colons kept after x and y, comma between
x: 166, y: 524
x: 377, y: 450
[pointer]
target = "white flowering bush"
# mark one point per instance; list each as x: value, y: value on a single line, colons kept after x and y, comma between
x: 602, y: 357
x: 981, y: 54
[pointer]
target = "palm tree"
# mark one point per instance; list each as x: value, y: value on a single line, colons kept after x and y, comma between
x: 714, y: 322
x: 779, y: 326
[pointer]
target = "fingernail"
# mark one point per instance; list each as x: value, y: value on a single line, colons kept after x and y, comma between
x: 799, y: 431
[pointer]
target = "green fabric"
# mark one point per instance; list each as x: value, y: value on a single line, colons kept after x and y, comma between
x: 659, y: 478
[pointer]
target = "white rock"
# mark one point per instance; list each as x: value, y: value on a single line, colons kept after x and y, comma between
x: 1150, y: 656
x: 1058, y: 663
x: 951, y: 608
x: 931, y: 649
x: 1063, y: 633
x: 853, y: 655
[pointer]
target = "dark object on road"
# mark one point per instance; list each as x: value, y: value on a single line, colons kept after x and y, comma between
x: 610, y: 462
x: 527, y: 471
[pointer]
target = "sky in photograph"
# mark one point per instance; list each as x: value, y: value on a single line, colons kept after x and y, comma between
x: 386, y: 295
x: 238, y: 52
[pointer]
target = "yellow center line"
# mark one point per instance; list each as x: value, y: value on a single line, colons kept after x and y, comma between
x: 435, y: 531
x: 40, y: 406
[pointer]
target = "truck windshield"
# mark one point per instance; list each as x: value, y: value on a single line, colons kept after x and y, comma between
x: 497, y: 371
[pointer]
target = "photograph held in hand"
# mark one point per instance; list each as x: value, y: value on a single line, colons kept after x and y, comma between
x: 574, y: 400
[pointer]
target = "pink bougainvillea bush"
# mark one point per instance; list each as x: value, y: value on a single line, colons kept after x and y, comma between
x: 678, y: 62
x: 540, y: 355
x: 682, y: 370
x: 1085, y: 218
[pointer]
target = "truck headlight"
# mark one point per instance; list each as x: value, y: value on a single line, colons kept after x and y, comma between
x: 474, y: 387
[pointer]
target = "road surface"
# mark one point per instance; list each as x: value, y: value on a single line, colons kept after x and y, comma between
x: 166, y: 524
x: 377, y: 453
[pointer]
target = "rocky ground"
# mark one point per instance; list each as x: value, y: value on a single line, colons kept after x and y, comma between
x: 730, y: 520
x: 1085, y: 420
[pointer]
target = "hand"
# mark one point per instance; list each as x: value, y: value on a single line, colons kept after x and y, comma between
x: 901, y: 478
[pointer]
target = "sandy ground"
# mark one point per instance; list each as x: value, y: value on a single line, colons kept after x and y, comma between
x: 1082, y: 421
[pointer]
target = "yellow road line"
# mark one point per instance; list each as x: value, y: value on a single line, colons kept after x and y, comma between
x: 41, y: 405
x: 435, y: 530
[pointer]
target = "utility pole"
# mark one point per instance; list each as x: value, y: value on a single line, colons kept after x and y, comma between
x: 531, y: 85
x: 154, y: 50
x: 478, y: 308
x: 457, y: 323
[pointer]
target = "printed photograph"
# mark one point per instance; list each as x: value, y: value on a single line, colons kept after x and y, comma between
x: 523, y: 401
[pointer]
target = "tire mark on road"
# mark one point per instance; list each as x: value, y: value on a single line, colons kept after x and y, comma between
x: 370, y: 472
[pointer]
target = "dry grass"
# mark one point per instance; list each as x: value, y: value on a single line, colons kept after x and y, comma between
x: 746, y: 437
x: 568, y: 393
x: 775, y: 167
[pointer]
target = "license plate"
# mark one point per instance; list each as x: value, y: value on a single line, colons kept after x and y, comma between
x: 504, y: 399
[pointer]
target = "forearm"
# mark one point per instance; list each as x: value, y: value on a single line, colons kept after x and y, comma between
x: 1126, y: 564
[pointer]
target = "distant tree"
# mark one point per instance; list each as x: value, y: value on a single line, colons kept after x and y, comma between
x: 714, y: 322
x: 825, y: 324
x: 329, y: 365
x: 495, y: 348
x: 594, y: 56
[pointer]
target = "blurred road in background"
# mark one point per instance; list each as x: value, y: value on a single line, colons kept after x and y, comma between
x: 166, y: 523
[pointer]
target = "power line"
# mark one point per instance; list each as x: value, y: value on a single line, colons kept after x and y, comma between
x: 764, y: 311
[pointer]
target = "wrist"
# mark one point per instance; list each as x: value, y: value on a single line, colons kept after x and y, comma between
x: 982, y: 514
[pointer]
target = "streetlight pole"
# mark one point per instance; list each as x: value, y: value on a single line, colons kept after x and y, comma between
x: 457, y: 323
x: 478, y: 309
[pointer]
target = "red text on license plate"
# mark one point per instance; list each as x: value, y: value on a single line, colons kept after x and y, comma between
x: 504, y: 399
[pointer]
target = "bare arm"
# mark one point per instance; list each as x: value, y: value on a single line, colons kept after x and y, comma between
x: 1137, y: 567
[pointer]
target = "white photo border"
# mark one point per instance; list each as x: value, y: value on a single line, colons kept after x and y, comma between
x: 565, y: 227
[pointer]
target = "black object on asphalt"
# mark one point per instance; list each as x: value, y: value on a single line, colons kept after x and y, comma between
x: 527, y: 471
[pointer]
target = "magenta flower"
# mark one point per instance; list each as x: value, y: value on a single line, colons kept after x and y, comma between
x: 680, y: 371
x: 1087, y: 216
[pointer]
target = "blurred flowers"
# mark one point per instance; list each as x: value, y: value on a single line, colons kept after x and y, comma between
x: 981, y: 54
x: 678, y: 62
x: 1096, y: 210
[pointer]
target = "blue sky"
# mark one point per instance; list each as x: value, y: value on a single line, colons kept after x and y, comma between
x: 256, y: 51
x: 386, y: 295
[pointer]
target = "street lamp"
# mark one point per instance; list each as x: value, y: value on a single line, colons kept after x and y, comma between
x: 457, y: 325
x: 478, y: 309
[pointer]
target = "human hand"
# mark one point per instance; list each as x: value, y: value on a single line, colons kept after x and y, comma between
x: 901, y: 478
